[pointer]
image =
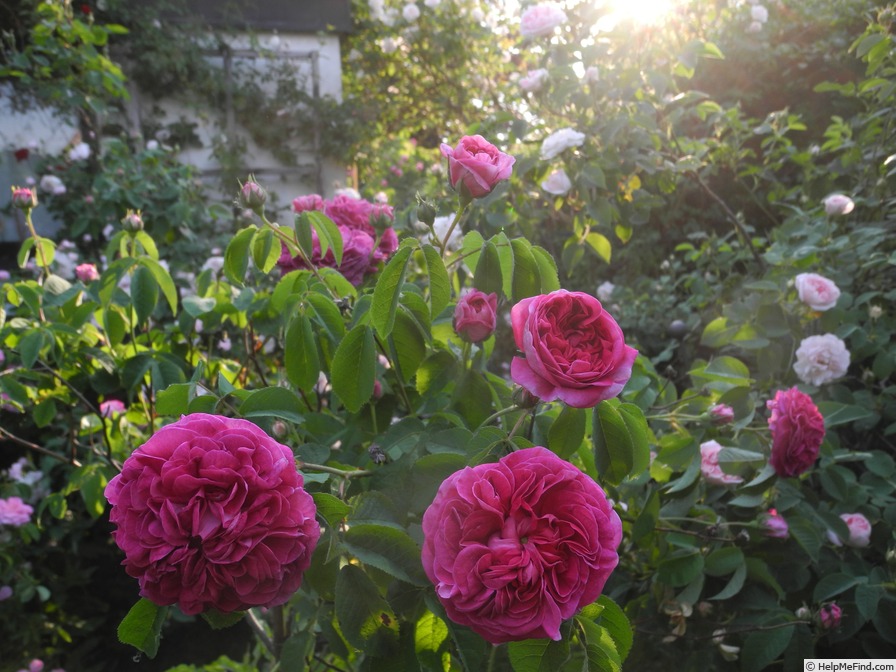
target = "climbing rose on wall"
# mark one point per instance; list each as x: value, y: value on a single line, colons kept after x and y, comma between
x: 211, y: 514
x: 515, y: 548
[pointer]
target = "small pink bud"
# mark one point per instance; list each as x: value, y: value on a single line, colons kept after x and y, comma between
x: 829, y: 616
x: 132, y: 222
x: 252, y: 196
x: 279, y: 429
x: 87, y: 272
x: 24, y: 199
x: 377, y: 389
x: 722, y: 414
x: 775, y: 526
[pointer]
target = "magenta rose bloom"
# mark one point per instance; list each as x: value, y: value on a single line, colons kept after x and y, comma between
x: 211, y: 514
x: 797, y: 429
x: 573, y: 350
x: 517, y: 547
x: 477, y: 164
x: 475, y: 316
x: 311, y: 202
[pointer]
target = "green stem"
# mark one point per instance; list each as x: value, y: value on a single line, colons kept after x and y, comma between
x: 443, y: 244
x: 45, y: 267
x: 354, y: 473
x: 493, y: 654
x: 498, y: 414
x: 518, y: 424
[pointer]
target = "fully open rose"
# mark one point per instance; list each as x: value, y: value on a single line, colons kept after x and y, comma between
x: 517, y: 547
x: 797, y: 429
x: 211, y: 514
x: 573, y: 350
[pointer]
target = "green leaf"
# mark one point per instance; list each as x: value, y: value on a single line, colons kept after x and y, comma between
x: 614, y: 620
x: 567, y: 432
x: 305, y: 239
x: 723, y: 373
x: 266, y: 250
x: 867, y: 599
x: 301, y: 358
x: 142, y: 627
x: 620, y: 440
x: 487, y: 277
x: 388, y: 549
x: 219, y: 620
x: 328, y: 234
x: 275, y: 402
x: 760, y: 649
x: 144, y: 293
x: 408, y: 343
x: 387, y: 292
x: 734, y: 585
x: 600, y: 244
x: 163, y: 278
x: 537, y: 655
x: 45, y: 412
x: 832, y: 585
x: 330, y: 508
x: 439, y: 283
x: 680, y: 569
x: 723, y: 561
x: 31, y: 345
x: 841, y: 414
x: 600, y: 648
x: 196, y: 306
x: 354, y: 367
x: 366, y: 620
x: 526, y: 275
x: 648, y: 518
x: 236, y: 256
x: 430, y: 634
x: 547, y: 269
x: 174, y: 399
x: 806, y: 535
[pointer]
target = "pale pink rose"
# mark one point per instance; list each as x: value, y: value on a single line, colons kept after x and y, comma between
x: 540, y: 20
x: 309, y: 202
x: 821, y: 359
x: 87, y: 272
x: 534, y: 80
x: 475, y: 316
x: 859, y: 530
x: 838, y: 204
x: 6, y: 592
x: 410, y: 12
x: 211, y: 514
x: 4, y: 275
x: 14, y: 511
x: 477, y: 165
x: 592, y: 74
x: 52, y: 184
x: 774, y: 525
x: 816, y: 291
x: 721, y: 414
x: 111, y: 408
x: 573, y: 350
x: 829, y: 616
x: 759, y: 13
x: 709, y: 465
x: 515, y: 548
x: 557, y: 183
x: 797, y: 429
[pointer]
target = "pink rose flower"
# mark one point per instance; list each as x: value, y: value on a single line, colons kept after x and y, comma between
x: 6, y: 592
x: 86, y: 272
x: 14, y: 511
x: 477, y: 165
x: 816, y: 291
x: 709, y: 465
x: 309, y: 202
x: 721, y: 414
x: 838, y: 204
x: 24, y: 199
x: 821, y: 359
x: 573, y: 350
x: 475, y: 316
x: 829, y: 616
x: 797, y: 429
x: 859, y: 530
x: 774, y: 525
x: 211, y: 514
x: 112, y: 407
x: 516, y: 547
x: 541, y: 19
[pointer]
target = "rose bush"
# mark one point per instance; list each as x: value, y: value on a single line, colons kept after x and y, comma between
x: 211, y: 514
x: 515, y: 548
x: 573, y: 350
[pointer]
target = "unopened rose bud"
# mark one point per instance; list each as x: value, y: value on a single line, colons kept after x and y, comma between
x: 24, y: 199
x: 829, y: 616
x: 377, y: 389
x: 279, y: 429
x: 381, y: 217
x: 804, y: 613
x: 677, y: 328
x: 524, y: 399
x: 721, y: 414
x: 132, y: 222
x: 426, y: 211
x: 86, y: 272
x: 252, y: 196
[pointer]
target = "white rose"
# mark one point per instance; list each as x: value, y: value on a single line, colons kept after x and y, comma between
x: 388, y: 45
x: 410, y: 12
x: 557, y: 183
x: 816, y: 291
x: 605, y: 291
x: 838, y: 204
x: 759, y: 13
x: 821, y: 359
x: 592, y: 74
x: 432, y: 4
x: 79, y: 152
x: 559, y: 141
x: 540, y: 20
x: 52, y: 185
